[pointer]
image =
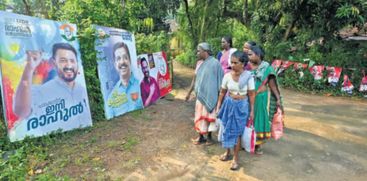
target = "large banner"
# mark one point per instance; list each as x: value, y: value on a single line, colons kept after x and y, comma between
x: 42, y: 78
x: 118, y: 71
x: 156, y: 82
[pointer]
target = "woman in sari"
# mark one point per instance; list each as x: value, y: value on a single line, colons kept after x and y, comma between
x: 265, y: 77
x: 225, y: 55
x: 235, y: 110
x: 246, y: 47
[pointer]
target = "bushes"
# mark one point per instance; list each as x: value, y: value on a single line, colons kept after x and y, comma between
x: 290, y: 79
x: 154, y: 42
x: 350, y: 55
x: 187, y: 58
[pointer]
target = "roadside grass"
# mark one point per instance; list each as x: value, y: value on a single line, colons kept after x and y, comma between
x: 36, y: 158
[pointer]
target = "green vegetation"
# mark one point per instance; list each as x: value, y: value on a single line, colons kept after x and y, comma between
x: 288, y: 29
x: 19, y: 161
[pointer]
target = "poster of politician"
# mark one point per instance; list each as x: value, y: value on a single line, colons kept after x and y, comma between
x: 42, y: 78
x: 156, y: 82
x: 118, y: 72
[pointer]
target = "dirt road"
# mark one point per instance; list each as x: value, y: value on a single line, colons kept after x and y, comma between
x: 325, y: 139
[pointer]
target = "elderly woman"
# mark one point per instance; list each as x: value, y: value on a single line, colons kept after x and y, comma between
x: 207, y: 85
x: 235, y: 110
x: 265, y: 77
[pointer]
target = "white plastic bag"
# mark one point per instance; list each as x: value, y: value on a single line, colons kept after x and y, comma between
x: 248, y: 138
x: 213, y: 126
x: 221, y: 129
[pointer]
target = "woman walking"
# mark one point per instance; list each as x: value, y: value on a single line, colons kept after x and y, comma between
x: 265, y: 77
x: 208, y: 80
x: 236, y: 108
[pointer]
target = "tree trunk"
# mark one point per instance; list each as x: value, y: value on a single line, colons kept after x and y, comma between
x: 289, y: 29
x: 123, y: 4
x: 27, y: 8
x: 203, y: 21
x: 192, y: 32
x: 219, y: 17
x: 245, y: 13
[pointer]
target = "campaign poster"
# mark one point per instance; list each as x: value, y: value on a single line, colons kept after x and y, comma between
x: 316, y: 71
x: 347, y: 85
x: 299, y: 66
x: 333, y: 75
x: 156, y: 82
x: 118, y: 71
x: 276, y: 64
x: 285, y: 65
x: 42, y: 77
x: 363, y: 85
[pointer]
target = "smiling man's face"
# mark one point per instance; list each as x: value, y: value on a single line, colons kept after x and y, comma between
x: 122, y: 61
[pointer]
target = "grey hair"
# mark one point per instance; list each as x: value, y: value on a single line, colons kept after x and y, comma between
x: 206, y: 47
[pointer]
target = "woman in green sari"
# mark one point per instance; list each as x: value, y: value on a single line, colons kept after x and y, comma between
x: 265, y: 77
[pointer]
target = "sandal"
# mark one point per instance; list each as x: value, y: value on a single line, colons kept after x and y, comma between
x: 209, y: 142
x: 225, y: 157
x: 258, y: 150
x: 234, y: 166
x: 198, y: 141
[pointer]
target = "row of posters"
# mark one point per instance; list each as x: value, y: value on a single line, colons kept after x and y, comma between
x: 128, y: 82
x: 333, y: 75
x: 42, y: 78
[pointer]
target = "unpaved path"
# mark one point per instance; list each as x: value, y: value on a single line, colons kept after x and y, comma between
x: 325, y: 139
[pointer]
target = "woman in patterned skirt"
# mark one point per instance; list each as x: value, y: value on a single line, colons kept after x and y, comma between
x: 236, y: 108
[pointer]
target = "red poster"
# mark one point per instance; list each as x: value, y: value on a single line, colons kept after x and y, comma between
x: 316, y: 71
x: 285, y: 64
x: 347, y: 85
x: 299, y: 66
x: 363, y: 86
x: 164, y: 78
x: 276, y: 64
x: 156, y: 69
x: 334, y: 75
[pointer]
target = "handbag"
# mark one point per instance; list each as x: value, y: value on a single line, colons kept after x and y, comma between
x: 277, y: 124
x: 213, y: 126
x: 248, y: 138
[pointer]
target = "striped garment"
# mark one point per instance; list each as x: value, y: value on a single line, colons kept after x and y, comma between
x: 234, y: 115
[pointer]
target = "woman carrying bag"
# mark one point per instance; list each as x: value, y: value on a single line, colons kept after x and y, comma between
x: 235, y: 109
x: 265, y: 77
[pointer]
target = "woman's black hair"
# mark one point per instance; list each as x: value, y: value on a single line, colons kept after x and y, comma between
x: 242, y: 57
x: 251, y: 43
x: 258, y: 50
x: 228, y: 40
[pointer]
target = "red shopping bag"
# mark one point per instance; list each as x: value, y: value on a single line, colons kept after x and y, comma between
x: 277, y: 124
